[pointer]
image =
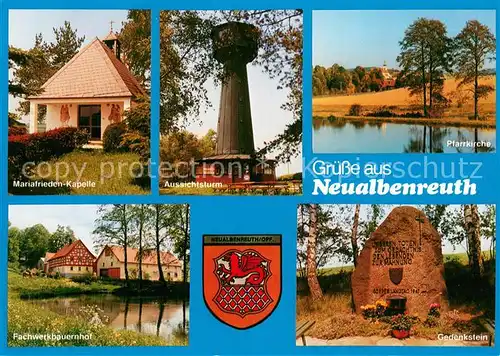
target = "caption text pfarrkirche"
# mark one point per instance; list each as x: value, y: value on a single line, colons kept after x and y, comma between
x: 452, y: 178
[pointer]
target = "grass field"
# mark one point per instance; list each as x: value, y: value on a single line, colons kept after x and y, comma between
x: 112, y: 174
x: 400, y: 101
x: 335, y: 319
x: 25, y: 318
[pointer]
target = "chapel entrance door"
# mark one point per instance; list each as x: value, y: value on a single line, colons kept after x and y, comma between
x: 89, y: 119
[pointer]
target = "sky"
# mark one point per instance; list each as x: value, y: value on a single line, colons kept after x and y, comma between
x: 80, y: 218
x: 368, y: 38
x: 268, y: 118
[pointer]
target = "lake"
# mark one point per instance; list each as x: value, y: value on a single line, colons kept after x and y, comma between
x: 154, y: 316
x: 342, y: 136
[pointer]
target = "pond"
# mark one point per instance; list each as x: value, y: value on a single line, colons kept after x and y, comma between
x: 342, y: 136
x: 154, y: 316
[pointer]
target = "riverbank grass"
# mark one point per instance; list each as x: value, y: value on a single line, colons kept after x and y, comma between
x: 34, y: 325
x: 42, y: 287
x: 446, y: 122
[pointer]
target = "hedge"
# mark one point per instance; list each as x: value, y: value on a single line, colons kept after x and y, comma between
x: 17, y: 130
x: 43, y: 146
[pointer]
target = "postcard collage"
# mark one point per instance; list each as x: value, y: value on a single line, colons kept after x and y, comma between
x: 249, y: 181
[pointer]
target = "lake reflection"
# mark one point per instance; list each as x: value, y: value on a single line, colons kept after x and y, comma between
x: 345, y: 136
x: 154, y: 316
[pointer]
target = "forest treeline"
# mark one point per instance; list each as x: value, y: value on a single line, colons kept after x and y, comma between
x: 148, y: 228
x: 427, y: 55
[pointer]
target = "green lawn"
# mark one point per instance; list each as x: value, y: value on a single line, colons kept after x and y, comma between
x: 25, y: 318
x: 103, y: 173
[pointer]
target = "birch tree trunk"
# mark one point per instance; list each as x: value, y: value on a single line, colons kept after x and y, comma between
x: 354, y: 235
x: 473, y: 229
x: 312, y: 278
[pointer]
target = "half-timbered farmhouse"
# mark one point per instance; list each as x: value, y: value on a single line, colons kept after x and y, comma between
x: 72, y: 260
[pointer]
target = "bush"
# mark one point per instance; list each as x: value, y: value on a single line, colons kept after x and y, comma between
x: 402, y: 322
x: 290, y: 177
x: 88, y: 278
x: 434, y: 310
x: 431, y: 321
x: 480, y: 118
x: 382, y: 112
x: 17, y: 130
x: 112, y: 138
x: 355, y: 110
x: 43, y: 146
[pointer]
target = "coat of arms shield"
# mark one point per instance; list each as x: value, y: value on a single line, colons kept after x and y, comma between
x: 241, y: 277
x: 396, y: 275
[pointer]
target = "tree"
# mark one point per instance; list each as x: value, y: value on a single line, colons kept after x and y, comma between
x: 138, y: 121
x: 45, y: 59
x: 33, y: 245
x: 354, y: 236
x: 424, y: 57
x: 114, y: 226
x: 312, y: 278
x: 332, y: 235
x: 66, y: 45
x: 488, y: 227
x: 473, y: 230
x: 17, y: 58
x: 186, y: 64
x: 14, y: 238
x: 180, y: 231
x: 436, y: 214
x: 135, y: 39
x: 60, y: 238
x: 374, y: 215
x: 141, y: 219
x: 161, y: 217
x: 182, y: 147
x: 474, y: 45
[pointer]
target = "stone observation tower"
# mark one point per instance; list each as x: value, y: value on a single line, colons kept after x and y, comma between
x: 235, y: 44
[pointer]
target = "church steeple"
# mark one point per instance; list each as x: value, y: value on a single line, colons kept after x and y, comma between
x: 112, y: 41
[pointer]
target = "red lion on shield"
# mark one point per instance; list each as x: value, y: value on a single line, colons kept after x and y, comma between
x: 241, y: 265
x: 242, y: 276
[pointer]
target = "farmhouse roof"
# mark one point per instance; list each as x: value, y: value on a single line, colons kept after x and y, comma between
x: 167, y: 258
x: 67, y: 249
x: 48, y: 256
x: 94, y: 72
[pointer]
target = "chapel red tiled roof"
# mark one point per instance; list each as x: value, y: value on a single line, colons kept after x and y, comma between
x: 167, y: 258
x: 94, y: 72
